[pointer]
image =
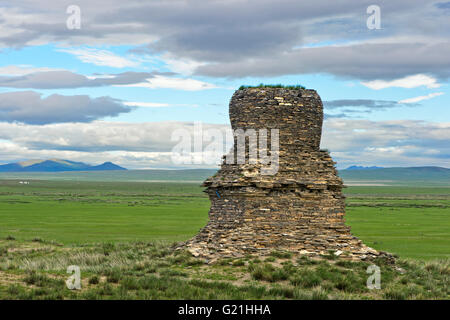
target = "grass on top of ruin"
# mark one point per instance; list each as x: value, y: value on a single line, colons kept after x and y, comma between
x: 36, y: 269
x: 281, y: 86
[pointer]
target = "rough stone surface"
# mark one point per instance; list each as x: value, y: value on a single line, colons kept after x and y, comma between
x: 299, y: 209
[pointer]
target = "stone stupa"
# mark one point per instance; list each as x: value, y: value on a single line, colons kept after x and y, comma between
x: 300, y: 208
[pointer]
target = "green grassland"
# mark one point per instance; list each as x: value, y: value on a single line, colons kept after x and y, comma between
x: 79, y: 212
x: 120, y: 234
x: 411, y: 222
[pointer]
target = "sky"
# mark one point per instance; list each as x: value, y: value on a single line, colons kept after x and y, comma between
x: 98, y: 81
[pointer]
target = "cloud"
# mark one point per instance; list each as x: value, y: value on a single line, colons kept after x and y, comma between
x: 361, y: 61
x: 99, y: 136
x: 348, y: 108
x: 443, y: 5
x: 182, y: 66
x: 160, y: 81
x: 13, y: 152
x: 67, y: 79
x: 145, y: 104
x: 387, y: 143
x: 29, y: 107
x: 243, y: 38
x: 101, y: 58
x: 229, y: 42
x: 366, y: 103
x: 22, y: 70
x: 414, y: 81
x: 420, y: 98
x: 144, y: 145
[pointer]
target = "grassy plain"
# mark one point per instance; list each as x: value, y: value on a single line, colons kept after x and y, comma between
x: 120, y: 233
x: 79, y: 212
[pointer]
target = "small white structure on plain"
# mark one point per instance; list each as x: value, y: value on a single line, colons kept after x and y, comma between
x: 24, y: 182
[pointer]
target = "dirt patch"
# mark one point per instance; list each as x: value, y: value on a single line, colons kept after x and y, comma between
x: 7, y: 279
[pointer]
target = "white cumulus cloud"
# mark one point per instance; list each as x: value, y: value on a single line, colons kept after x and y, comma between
x: 420, y: 98
x: 408, y: 82
x: 163, y: 82
x: 22, y: 70
x: 145, y: 104
x: 102, y: 58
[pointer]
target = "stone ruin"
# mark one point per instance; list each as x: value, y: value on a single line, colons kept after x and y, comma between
x: 298, y: 209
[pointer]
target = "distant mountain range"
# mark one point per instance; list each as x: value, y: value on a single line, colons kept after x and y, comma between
x: 65, y: 169
x: 56, y: 165
x: 432, y: 174
x: 362, y: 168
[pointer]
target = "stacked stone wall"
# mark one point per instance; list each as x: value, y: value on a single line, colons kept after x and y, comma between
x: 300, y: 208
